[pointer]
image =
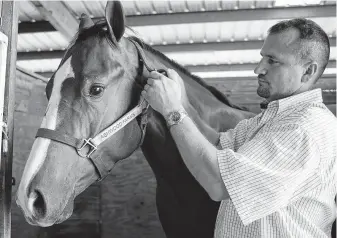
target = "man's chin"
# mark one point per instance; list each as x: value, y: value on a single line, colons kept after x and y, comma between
x: 263, y: 93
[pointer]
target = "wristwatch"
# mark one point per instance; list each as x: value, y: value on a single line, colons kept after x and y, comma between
x: 175, y: 117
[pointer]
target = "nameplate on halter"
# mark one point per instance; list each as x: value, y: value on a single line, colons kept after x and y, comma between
x: 118, y: 125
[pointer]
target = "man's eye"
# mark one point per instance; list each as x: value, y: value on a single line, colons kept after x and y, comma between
x: 96, y: 90
x: 271, y: 61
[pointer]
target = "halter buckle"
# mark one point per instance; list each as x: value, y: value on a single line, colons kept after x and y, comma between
x: 92, y: 148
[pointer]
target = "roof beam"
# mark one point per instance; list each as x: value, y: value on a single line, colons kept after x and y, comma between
x: 234, y: 67
x: 220, y: 67
x: 216, y: 68
x: 40, y: 55
x: 35, y: 27
x: 59, y: 16
x: 171, y: 48
x: 232, y: 15
x: 210, y: 46
x: 203, y: 17
x: 328, y: 79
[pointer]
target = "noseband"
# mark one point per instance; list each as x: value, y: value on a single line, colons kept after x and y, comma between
x: 87, y: 148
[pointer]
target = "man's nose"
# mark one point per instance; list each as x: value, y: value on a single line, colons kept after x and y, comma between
x: 260, y: 68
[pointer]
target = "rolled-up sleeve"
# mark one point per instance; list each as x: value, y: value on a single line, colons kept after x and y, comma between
x: 270, y: 171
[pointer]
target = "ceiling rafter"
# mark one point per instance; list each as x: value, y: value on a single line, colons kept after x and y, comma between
x: 59, y: 17
x: 234, y: 67
x: 231, y: 15
x: 217, y: 68
x: 189, y: 17
x: 170, y: 48
x: 35, y: 27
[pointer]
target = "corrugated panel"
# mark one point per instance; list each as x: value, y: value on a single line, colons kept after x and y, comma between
x: 223, y: 57
x: 41, y: 41
x: 168, y: 34
x: 213, y: 32
x: 91, y: 8
x: 140, y: 7
x: 193, y: 58
x: 39, y: 65
x: 28, y: 12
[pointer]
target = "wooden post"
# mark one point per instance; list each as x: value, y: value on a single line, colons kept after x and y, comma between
x: 9, y: 26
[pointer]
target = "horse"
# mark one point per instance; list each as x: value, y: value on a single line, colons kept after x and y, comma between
x: 95, y: 94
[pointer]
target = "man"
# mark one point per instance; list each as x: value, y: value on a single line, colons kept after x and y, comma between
x: 275, y: 174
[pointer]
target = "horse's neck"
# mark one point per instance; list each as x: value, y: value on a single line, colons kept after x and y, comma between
x: 209, y: 114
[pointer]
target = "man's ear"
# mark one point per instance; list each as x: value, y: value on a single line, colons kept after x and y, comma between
x: 310, y: 71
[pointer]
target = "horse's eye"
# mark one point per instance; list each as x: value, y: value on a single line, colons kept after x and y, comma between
x: 96, y: 90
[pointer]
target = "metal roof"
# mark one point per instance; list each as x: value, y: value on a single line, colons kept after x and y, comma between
x: 200, y: 34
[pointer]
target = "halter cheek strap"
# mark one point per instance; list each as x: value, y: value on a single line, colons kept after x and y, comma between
x: 87, y: 148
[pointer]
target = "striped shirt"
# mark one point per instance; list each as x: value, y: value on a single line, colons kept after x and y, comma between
x: 280, y: 171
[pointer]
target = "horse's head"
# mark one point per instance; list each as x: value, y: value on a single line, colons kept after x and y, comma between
x: 93, y: 87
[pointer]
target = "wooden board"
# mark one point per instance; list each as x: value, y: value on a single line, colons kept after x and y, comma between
x: 8, y: 26
x: 128, y: 201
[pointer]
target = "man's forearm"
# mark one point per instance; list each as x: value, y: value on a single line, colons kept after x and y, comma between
x: 200, y: 158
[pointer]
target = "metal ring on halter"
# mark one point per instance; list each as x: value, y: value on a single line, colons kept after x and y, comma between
x: 92, y: 148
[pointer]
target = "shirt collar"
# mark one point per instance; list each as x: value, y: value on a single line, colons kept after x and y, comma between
x: 312, y: 96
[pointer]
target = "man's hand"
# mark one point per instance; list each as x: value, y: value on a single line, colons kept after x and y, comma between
x: 163, y: 93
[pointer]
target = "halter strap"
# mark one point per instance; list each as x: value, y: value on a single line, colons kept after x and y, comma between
x: 142, y: 59
x: 91, y: 144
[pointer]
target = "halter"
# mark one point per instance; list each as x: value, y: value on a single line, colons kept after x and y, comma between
x: 92, y: 144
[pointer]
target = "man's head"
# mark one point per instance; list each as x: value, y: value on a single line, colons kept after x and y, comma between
x: 294, y: 56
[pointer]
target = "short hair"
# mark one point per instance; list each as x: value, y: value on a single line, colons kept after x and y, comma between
x: 313, y: 41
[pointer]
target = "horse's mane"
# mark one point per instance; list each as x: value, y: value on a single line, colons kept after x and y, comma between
x: 219, y: 95
x: 98, y: 29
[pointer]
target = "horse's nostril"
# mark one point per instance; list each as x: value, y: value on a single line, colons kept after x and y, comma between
x: 37, y: 204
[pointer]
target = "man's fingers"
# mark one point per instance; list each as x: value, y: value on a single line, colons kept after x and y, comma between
x: 171, y: 73
x: 150, y: 81
x: 146, y: 87
x: 143, y: 94
x: 155, y: 75
x: 175, y: 77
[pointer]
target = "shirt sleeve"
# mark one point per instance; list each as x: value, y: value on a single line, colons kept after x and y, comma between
x: 234, y: 138
x: 270, y: 171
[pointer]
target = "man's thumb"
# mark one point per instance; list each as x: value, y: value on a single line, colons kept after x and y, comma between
x: 172, y: 74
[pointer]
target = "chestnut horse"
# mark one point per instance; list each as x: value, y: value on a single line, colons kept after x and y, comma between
x: 96, y: 118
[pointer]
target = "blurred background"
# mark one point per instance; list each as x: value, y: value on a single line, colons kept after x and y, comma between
x: 219, y: 41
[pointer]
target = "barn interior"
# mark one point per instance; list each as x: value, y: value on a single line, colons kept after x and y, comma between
x: 219, y: 41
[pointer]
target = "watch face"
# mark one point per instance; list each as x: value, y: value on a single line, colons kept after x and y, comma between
x: 176, y: 116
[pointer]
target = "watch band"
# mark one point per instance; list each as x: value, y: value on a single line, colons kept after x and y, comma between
x: 175, y: 117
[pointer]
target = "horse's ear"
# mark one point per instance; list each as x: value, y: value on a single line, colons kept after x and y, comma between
x: 115, y: 19
x: 85, y: 22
